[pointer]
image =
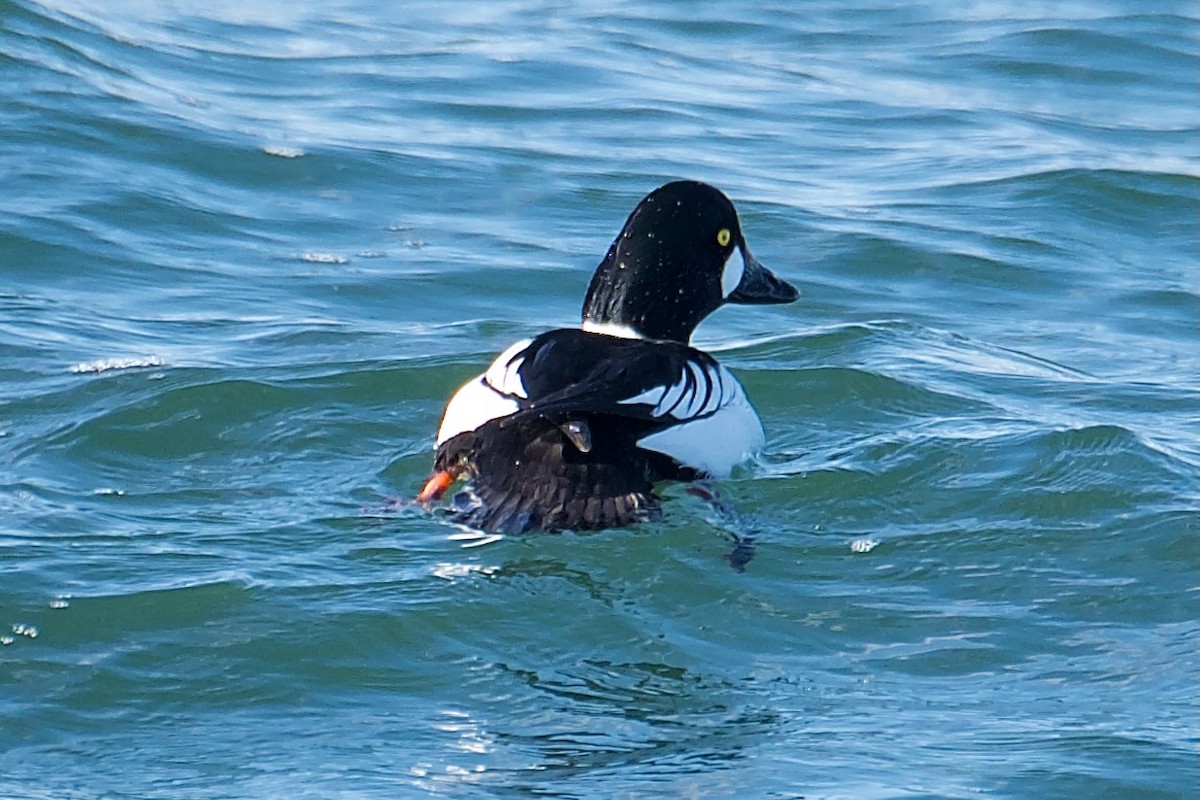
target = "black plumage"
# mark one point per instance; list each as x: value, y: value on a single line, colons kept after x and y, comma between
x: 528, y: 470
x: 568, y: 431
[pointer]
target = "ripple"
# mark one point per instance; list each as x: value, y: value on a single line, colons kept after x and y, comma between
x: 975, y: 520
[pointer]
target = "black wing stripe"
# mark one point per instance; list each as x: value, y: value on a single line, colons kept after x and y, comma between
x: 698, y: 391
x: 572, y: 370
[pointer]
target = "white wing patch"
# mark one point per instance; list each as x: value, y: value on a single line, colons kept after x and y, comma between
x: 486, y: 397
x: 711, y: 425
x: 715, y: 427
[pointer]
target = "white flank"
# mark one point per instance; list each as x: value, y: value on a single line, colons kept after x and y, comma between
x: 716, y: 427
x: 611, y: 329
x: 731, y: 276
x: 489, y: 396
x: 714, y: 444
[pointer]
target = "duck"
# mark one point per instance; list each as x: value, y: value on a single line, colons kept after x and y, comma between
x: 573, y: 429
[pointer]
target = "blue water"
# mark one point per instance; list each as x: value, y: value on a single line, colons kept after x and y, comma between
x: 247, y: 250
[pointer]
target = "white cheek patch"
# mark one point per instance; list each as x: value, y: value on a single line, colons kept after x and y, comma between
x: 731, y: 276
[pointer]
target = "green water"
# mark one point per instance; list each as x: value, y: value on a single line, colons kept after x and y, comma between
x: 248, y: 251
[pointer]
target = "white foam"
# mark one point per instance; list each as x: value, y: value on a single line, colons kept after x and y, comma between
x: 324, y: 258
x: 103, y: 365
x: 282, y: 152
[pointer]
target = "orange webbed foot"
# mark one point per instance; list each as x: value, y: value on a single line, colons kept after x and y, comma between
x: 435, y: 487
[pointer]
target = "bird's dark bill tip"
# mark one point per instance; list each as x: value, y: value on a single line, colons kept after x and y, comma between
x: 760, y: 286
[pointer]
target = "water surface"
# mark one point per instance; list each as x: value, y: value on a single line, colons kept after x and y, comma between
x: 248, y: 250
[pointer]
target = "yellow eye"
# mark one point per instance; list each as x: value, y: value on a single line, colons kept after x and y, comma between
x: 723, y: 237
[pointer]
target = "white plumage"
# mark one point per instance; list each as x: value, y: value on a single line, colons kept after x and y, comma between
x: 715, y: 427
x: 486, y: 397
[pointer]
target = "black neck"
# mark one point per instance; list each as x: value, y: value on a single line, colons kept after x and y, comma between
x: 641, y: 291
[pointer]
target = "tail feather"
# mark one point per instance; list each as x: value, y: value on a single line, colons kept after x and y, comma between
x: 531, y: 475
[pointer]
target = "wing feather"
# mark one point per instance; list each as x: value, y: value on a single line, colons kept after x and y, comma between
x: 673, y: 391
x: 698, y: 389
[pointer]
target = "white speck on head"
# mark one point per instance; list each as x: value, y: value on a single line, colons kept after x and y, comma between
x: 611, y: 329
x: 735, y: 268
